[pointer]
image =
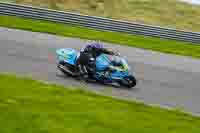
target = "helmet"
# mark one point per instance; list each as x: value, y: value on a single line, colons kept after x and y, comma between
x: 97, y: 45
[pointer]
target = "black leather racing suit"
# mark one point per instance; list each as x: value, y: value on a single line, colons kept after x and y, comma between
x: 84, y: 61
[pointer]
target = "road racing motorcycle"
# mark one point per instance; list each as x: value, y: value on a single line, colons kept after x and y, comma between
x: 106, y: 70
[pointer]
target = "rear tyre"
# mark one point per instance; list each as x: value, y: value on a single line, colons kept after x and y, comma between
x: 62, y: 70
x: 65, y: 68
x: 129, y: 81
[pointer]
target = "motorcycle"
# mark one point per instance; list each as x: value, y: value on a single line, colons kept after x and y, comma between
x: 106, y: 70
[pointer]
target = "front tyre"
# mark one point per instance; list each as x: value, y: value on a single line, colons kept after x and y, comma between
x: 129, y: 81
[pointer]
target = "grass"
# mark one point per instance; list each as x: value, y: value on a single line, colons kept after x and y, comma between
x: 170, y: 13
x: 156, y: 44
x: 28, y: 106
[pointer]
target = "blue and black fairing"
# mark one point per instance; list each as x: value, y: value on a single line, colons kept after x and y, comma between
x: 104, y: 61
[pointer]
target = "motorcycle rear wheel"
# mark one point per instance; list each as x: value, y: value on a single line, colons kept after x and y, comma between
x: 67, y: 69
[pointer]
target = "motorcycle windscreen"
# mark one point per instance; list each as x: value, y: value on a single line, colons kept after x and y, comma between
x: 67, y: 54
x: 102, y: 62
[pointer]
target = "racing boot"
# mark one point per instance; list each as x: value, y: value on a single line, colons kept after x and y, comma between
x: 83, y: 72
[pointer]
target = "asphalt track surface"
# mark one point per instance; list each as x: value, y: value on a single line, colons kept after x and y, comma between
x: 166, y: 80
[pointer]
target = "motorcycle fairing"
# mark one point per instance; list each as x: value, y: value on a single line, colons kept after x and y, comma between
x: 67, y: 55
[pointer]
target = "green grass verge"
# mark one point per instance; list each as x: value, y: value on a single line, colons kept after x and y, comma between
x: 28, y: 106
x: 156, y: 44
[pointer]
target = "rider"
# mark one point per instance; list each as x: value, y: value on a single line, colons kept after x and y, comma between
x: 88, y: 55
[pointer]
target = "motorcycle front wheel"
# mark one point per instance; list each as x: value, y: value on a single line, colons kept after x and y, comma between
x: 129, y: 81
